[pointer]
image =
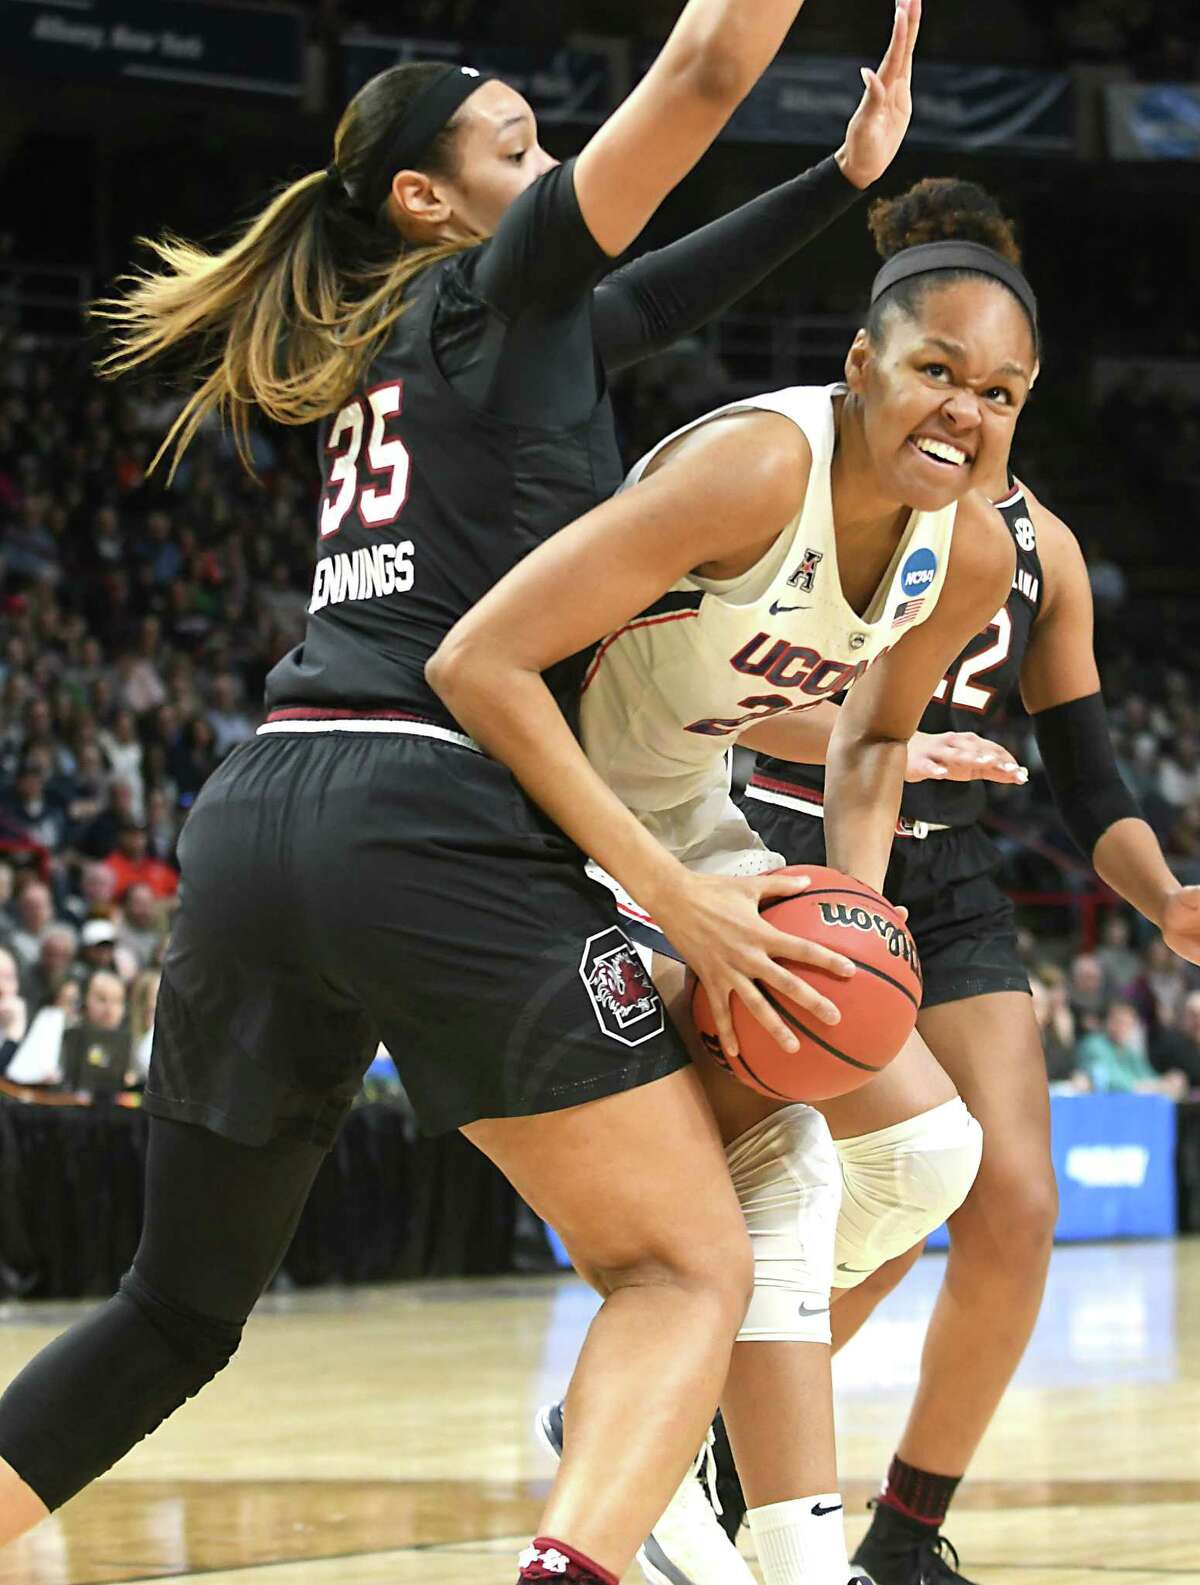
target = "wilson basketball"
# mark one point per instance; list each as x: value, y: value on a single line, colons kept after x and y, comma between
x: 878, y: 1003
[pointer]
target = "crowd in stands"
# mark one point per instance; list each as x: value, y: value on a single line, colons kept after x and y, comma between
x: 136, y: 629
x: 137, y: 626
x: 1120, y: 1017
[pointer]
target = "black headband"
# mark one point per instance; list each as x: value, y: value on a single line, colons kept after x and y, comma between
x: 931, y: 256
x: 421, y: 123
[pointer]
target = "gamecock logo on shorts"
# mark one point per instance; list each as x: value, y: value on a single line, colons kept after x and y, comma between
x: 628, y: 1008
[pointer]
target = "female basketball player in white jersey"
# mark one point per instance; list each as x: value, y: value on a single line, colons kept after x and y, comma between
x: 766, y: 558
x: 975, y: 983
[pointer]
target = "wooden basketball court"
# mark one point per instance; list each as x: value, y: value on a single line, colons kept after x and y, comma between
x: 384, y: 1435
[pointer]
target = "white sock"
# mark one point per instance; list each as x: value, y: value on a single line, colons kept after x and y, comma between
x: 802, y: 1542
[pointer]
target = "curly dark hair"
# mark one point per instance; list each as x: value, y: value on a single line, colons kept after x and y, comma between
x: 937, y: 209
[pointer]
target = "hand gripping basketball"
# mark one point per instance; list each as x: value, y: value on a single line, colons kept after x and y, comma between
x: 878, y: 1008
x: 716, y: 923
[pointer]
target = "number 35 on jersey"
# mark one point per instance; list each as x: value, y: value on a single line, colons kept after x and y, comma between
x: 372, y: 482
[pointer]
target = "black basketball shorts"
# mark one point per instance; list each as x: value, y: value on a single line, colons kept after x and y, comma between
x: 344, y: 888
x: 960, y: 919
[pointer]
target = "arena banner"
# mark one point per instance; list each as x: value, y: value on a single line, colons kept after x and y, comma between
x: 560, y: 84
x: 1153, y: 121
x: 1114, y: 1157
x: 809, y: 99
x: 196, y: 43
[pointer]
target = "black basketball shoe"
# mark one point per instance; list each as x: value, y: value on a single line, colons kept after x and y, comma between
x: 730, y: 1505
x: 902, y: 1551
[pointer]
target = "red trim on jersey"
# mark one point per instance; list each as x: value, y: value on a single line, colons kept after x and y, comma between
x: 796, y: 789
x: 1011, y: 499
x: 304, y: 712
x: 644, y: 621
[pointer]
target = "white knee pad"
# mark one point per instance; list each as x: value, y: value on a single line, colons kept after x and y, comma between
x: 788, y: 1181
x: 899, y: 1183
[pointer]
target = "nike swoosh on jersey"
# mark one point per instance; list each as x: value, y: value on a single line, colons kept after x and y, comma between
x: 779, y: 610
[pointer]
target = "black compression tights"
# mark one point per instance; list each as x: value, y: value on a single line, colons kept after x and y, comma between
x: 219, y: 1217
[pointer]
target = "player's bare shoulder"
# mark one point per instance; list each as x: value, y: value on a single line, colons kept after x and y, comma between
x: 983, y: 549
x: 770, y: 453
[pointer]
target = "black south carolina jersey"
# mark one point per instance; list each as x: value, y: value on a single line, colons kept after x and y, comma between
x: 480, y: 430
x: 972, y: 692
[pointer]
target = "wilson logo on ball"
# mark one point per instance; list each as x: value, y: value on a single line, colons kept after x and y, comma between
x: 878, y: 1004
x: 897, y: 940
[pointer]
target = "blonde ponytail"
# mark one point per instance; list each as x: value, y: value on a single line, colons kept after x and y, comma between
x: 287, y: 318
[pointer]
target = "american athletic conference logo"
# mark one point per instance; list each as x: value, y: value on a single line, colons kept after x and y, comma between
x: 627, y: 1006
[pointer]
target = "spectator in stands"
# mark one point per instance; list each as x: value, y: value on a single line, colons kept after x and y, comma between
x: 100, y: 837
x: 1114, y: 1058
x: 35, y: 914
x: 95, y: 1055
x: 123, y: 750
x: 13, y: 1009
x: 230, y: 723
x: 132, y: 863
x: 96, y: 898
x: 53, y: 968
x: 98, y: 949
x: 142, y: 928
x: 1179, y: 1047
x: 1087, y: 992
x: 89, y: 789
x: 1179, y: 773
x: 1159, y: 988
x: 194, y: 759
x: 1052, y: 1009
x: 42, y: 820
x: 143, y: 997
x: 1115, y: 955
x: 162, y: 827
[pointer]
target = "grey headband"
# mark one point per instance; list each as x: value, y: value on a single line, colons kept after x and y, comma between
x: 929, y: 257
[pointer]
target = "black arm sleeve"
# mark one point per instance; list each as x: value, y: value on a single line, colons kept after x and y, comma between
x: 542, y: 254
x: 652, y: 302
x: 1076, y: 749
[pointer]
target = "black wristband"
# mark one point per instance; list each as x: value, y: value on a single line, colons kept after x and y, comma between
x: 1081, y: 767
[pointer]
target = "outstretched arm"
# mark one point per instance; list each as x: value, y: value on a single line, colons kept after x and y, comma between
x: 714, y: 55
x: 648, y: 305
x: 1061, y: 688
x: 803, y: 737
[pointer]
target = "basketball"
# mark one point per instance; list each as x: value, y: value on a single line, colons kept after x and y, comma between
x: 878, y: 1004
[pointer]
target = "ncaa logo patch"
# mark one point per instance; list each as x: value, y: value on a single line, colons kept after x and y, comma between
x: 627, y: 1006
x: 919, y: 571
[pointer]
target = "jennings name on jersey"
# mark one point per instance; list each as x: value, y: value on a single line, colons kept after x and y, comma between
x: 970, y: 695
x: 667, y: 695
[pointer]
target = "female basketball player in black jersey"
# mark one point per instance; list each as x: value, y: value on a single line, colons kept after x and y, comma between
x: 361, y: 870
x: 976, y: 1015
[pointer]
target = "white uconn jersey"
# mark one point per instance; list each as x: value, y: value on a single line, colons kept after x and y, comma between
x: 669, y: 693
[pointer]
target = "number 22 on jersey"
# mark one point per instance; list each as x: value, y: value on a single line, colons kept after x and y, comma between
x: 959, y: 682
x: 381, y: 496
